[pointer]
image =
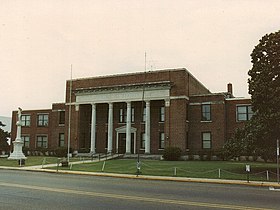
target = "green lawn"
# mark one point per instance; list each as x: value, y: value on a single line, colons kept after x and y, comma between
x: 30, y: 161
x: 35, y: 160
x: 194, y: 169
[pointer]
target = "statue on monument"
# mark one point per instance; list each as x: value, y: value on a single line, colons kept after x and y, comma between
x: 17, y: 153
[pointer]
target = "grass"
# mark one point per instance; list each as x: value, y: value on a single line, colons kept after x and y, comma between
x: 35, y: 160
x: 194, y: 169
x: 30, y: 161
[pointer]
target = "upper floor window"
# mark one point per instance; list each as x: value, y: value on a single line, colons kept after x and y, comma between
x: 162, y: 113
x: 144, y: 115
x: 61, y: 117
x: 43, y: 120
x: 25, y: 120
x: 206, y: 112
x: 244, y: 112
x: 123, y: 115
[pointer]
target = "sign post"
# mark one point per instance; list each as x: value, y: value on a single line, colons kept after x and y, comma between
x: 248, y: 172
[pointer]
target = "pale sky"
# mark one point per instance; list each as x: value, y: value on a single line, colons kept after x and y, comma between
x: 40, y: 39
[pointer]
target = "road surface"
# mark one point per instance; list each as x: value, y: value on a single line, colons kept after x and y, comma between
x: 37, y: 190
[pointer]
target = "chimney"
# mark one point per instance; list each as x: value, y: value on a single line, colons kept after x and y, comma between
x: 229, y: 88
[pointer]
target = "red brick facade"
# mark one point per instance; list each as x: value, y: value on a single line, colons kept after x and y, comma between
x: 177, y: 102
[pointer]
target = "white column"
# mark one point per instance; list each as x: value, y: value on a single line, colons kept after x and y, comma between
x: 128, y: 128
x: 93, y: 129
x: 110, y: 128
x: 148, y: 129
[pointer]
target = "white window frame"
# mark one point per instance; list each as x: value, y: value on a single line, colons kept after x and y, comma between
x: 206, y: 140
x: 26, y: 120
x: 247, y: 113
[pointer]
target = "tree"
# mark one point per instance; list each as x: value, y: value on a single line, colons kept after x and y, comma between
x: 4, y: 135
x: 258, y: 136
x: 264, y: 87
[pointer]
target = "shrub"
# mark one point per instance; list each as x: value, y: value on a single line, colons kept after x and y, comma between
x: 61, y: 152
x: 172, y: 153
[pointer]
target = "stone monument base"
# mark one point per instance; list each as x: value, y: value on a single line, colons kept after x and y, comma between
x: 17, y: 154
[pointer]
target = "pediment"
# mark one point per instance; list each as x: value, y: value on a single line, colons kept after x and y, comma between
x: 122, y: 129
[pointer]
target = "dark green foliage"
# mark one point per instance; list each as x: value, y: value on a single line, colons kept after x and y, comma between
x: 84, y: 150
x: 258, y: 137
x: 61, y: 152
x: 4, y: 135
x: 172, y: 153
x: 264, y: 86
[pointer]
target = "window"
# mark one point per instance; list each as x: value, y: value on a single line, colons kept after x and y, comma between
x: 206, y: 112
x: 123, y: 117
x: 42, y: 142
x: 43, y: 120
x: 162, y: 113
x: 244, y: 112
x: 143, y: 140
x: 61, y: 142
x: 61, y: 117
x: 161, y: 140
x: 25, y: 120
x: 206, y: 140
x: 132, y: 114
x: 144, y: 115
x: 106, y: 140
x: 26, y: 141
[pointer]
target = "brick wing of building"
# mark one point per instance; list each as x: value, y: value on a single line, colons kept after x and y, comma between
x: 136, y: 112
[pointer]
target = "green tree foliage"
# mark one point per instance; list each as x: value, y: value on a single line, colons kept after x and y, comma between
x: 172, y: 153
x: 264, y: 86
x: 259, y: 135
x: 4, y: 135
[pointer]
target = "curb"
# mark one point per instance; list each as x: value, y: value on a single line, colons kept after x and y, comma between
x: 154, y: 178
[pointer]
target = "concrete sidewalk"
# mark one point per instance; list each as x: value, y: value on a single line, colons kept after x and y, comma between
x: 39, y: 168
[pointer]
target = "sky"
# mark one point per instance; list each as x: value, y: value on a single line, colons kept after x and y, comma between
x: 41, y: 39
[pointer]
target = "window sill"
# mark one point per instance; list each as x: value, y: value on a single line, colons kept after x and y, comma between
x: 206, y: 121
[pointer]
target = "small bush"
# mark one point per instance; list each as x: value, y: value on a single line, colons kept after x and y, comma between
x: 172, y: 153
x: 61, y: 152
x: 83, y: 150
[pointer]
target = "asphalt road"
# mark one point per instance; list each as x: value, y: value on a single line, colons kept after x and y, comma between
x: 37, y: 190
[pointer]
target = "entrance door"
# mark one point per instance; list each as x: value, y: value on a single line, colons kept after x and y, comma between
x: 122, y: 143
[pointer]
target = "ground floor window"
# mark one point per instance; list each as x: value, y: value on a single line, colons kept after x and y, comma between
x: 42, y: 142
x: 26, y: 141
x: 106, y: 140
x: 143, y: 140
x: 161, y: 140
x: 206, y: 140
x: 61, y: 142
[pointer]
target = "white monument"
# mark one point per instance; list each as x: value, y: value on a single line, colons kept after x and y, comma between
x: 17, y: 153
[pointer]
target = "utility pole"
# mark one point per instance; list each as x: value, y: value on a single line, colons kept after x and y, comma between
x: 69, y: 120
x: 278, y: 161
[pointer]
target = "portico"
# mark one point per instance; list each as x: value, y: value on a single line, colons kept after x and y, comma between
x: 120, y: 121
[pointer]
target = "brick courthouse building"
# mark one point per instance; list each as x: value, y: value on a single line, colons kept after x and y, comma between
x: 134, y: 112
